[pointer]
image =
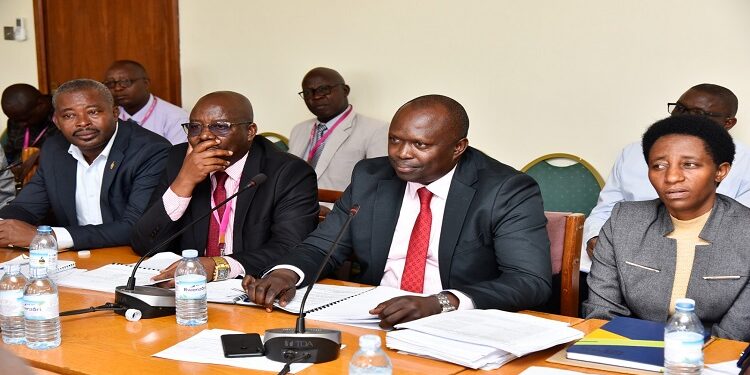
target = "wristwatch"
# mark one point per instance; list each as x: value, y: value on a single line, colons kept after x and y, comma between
x: 445, y: 303
x: 221, y: 271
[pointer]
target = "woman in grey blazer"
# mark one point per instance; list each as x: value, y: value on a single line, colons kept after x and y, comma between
x: 636, y: 261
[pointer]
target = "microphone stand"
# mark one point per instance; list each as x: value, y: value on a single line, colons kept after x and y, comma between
x: 314, y: 345
x: 154, y: 302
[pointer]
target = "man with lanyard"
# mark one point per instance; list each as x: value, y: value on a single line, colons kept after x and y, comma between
x: 224, y: 153
x: 29, y: 119
x: 129, y: 84
x: 436, y: 217
x: 338, y: 137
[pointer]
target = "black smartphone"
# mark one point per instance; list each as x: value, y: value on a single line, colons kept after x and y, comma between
x: 242, y: 345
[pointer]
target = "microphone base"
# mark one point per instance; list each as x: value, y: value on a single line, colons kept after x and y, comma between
x: 282, y: 344
x: 151, y: 301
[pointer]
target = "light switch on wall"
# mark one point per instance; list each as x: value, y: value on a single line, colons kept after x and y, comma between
x: 9, y: 33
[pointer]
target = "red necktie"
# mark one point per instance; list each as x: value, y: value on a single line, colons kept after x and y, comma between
x: 220, y: 193
x: 412, y: 279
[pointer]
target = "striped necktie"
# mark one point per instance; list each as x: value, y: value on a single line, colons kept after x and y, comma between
x: 319, y: 132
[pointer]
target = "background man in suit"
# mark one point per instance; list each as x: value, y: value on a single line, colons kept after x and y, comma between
x: 29, y: 119
x: 129, y: 84
x: 338, y: 137
x: 95, y: 178
x: 435, y: 217
x: 222, y: 154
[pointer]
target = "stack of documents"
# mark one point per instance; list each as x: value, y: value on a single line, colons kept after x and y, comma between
x: 110, y: 276
x: 479, y: 339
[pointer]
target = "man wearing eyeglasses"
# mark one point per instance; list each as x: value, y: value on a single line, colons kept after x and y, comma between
x: 223, y: 154
x: 628, y: 180
x: 129, y: 84
x: 338, y: 137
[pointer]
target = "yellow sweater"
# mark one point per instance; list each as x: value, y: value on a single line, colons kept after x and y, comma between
x: 686, y: 234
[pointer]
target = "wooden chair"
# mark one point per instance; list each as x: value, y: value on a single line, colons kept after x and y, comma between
x: 327, y: 196
x: 565, y: 232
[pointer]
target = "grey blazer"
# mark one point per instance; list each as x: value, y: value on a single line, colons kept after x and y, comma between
x: 634, y: 264
x: 356, y: 138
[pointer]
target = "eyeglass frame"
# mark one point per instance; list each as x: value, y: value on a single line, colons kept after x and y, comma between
x: 319, y: 90
x: 694, y: 111
x: 121, y: 82
x: 220, y: 134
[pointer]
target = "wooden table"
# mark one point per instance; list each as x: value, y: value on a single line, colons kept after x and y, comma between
x: 105, y: 343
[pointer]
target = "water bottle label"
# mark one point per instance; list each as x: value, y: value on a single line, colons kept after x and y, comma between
x: 39, y: 258
x: 11, y: 302
x: 190, y: 287
x: 683, y: 347
x: 41, y: 307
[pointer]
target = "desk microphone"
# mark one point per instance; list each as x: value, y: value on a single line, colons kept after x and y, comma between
x: 314, y: 345
x: 152, y: 301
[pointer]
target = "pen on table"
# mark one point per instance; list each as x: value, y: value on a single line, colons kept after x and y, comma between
x: 743, y: 357
x: 735, y: 277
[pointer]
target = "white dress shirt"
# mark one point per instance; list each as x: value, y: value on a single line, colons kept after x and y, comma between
x: 88, y: 191
x: 628, y: 181
x: 166, y: 119
x: 176, y: 206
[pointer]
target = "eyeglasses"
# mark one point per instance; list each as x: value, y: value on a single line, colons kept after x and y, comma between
x: 320, y: 90
x: 679, y: 109
x: 219, y: 128
x: 124, y: 83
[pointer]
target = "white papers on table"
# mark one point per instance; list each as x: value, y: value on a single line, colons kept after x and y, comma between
x: 205, y: 347
x: 65, y: 268
x: 484, y: 339
x: 722, y: 368
x: 329, y: 303
x: 110, y: 276
x: 537, y: 370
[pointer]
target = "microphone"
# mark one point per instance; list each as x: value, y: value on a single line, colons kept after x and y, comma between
x: 314, y: 345
x: 154, y: 302
x: 11, y: 165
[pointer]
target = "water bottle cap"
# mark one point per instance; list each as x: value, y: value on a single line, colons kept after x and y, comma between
x: 684, y: 304
x: 44, y: 229
x: 369, y: 341
x: 190, y: 253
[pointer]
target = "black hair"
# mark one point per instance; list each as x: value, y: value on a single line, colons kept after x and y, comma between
x: 722, y: 93
x: 457, y: 113
x: 80, y: 85
x: 718, y: 143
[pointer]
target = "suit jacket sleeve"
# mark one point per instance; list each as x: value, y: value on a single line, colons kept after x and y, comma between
x: 734, y: 324
x: 149, y: 165
x: 521, y: 246
x: 605, y: 299
x: 293, y: 216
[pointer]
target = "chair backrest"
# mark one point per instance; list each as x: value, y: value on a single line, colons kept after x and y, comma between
x: 327, y: 196
x: 279, y: 140
x: 30, y: 157
x: 573, y: 187
x: 565, y: 232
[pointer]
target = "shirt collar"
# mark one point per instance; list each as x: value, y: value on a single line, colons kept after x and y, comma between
x: 78, y: 155
x: 333, y: 120
x: 438, y: 188
x: 141, y: 112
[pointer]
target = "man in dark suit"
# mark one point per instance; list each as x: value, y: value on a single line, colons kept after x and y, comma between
x: 95, y: 177
x: 222, y: 154
x: 435, y: 217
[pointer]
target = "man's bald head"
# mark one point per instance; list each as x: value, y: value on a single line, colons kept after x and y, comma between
x: 130, y: 64
x: 234, y: 105
x: 456, y: 117
x: 327, y: 73
x: 727, y: 98
x: 325, y: 93
x: 19, y: 98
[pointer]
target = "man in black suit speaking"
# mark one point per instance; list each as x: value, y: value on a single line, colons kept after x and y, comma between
x: 223, y: 153
x: 435, y: 217
x: 95, y: 177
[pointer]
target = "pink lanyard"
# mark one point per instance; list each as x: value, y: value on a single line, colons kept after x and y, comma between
x: 148, y: 113
x: 27, y: 136
x: 322, y: 139
x: 224, y: 221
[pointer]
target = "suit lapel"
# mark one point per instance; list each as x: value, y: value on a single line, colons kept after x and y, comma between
x: 116, y: 156
x: 242, y: 206
x: 65, y: 167
x: 388, y: 199
x: 457, y: 204
x: 334, y: 141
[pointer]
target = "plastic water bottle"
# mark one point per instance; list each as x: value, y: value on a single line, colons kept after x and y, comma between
x: 683, y: 340
x: 41, y: 311
x: 190, y: 290
x: 370, y: 358
x: 43, y: 249
x: 11, y: 305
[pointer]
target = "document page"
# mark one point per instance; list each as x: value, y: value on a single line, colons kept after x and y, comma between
x: 108, y: 277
